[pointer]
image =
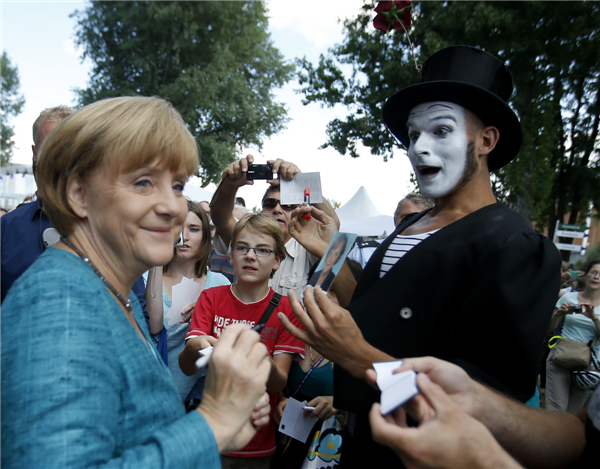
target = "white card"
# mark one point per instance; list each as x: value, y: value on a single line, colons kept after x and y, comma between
x: 396, y: 389
x: 293, y: 423
x: 205, y: 358
x: 184, y: 293
x: 292, y: 192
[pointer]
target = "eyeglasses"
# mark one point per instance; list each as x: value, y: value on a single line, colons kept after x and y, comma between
x: 594, y: 273
x: 243, y: 250
x: 272, y: 203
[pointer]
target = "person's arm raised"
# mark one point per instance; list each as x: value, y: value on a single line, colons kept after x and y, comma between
x: 221, y: 205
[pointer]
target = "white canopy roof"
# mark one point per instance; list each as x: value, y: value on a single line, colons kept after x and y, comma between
x: 358, y: 207
x: 196, y: 194
x: 360, y: 215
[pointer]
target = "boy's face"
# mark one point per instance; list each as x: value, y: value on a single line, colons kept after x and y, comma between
x: 249, y: 268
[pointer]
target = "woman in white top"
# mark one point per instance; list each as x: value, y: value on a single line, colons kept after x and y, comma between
x: 190, y: 260
x: 582, y: 326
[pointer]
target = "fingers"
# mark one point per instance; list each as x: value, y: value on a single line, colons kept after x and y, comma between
x: 260, y: 414
x: 435, y: 395
x: 371, y: 377
x: 238, y: 169
x: 299, y: 311
x: 323, y: 407
x: 419, y: 364
x: 386, y: 432
x: 419, y: 409
x: 285, y: 169
x: 236, y: 338
x: 211, y: 340
x: 187, y: 313
x: 313, y: 308
x: 292, y: 329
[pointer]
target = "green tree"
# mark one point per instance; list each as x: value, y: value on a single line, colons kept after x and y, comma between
x: 553, y: 50
x: 11, y: 106
x: 214, y: 61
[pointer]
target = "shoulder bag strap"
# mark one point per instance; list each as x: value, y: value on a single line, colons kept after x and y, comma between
x: 275, y: 299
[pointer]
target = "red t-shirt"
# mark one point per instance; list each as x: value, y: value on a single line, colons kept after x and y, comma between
x: 217, y: 308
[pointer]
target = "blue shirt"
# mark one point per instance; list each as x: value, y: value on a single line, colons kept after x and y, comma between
x: 21, y: 245
x: 21, y: 241
x: 80, y: 388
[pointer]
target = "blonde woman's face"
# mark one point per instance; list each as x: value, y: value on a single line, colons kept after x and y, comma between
x: 137, y: 216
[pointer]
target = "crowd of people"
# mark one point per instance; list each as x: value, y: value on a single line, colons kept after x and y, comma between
x: 97, y: 371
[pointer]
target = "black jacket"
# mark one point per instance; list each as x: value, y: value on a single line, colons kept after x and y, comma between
x: 479, y: 293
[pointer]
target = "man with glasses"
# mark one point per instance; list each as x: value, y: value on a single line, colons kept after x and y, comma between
x: 293, y: 272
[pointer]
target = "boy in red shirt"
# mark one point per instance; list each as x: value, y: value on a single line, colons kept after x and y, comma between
x: 257, y: 249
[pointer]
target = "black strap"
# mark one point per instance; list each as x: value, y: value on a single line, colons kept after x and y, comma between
x: 275, y: 299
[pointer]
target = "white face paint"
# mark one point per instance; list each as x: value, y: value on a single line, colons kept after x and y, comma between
x: 438, y: 146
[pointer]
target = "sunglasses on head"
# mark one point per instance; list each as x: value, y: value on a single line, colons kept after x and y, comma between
x: 272, y: 203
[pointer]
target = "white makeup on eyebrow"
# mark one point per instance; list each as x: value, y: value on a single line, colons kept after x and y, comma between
x: 445, y: 153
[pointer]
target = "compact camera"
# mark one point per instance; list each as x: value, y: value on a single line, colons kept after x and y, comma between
x: 575, y: 309
x: 259, y: 171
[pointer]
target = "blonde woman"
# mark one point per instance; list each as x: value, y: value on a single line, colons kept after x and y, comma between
x: 82, y: 386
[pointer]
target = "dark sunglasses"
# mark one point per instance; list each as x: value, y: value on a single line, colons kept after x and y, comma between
x: 272, y: 203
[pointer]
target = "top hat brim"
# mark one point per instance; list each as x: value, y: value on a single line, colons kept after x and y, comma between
x: 486, y: 105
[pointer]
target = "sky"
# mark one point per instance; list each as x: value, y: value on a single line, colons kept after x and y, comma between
x: 38, y: 37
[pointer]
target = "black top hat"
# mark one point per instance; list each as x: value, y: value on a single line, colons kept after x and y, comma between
x: 471, y: 78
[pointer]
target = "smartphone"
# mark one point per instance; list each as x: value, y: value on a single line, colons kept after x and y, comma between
x: 259, y: 171
x: 574, y: 274
x: 575, y: 309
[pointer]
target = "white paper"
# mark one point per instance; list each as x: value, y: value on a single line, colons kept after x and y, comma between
x: 396, y: 389
x: 292, y: 192
x: 204, y: 359
x: 184, y: 293
x: 293, y: 423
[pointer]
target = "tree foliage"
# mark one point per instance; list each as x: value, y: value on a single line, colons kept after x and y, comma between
x: 553, y: 50
x: 214, y: 61
x: 11, y: 106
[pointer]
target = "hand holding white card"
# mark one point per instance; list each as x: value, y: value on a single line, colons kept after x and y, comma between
x: 184, y: 293
x: 293, y: 423
x: 205, y: 358
x: 292, y: 192
x: 396, y: 389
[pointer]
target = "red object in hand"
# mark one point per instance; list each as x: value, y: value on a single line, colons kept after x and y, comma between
x: 382, y: 23
x: 307, y: 200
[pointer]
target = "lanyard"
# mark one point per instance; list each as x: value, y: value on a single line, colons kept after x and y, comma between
x: 308, y: 374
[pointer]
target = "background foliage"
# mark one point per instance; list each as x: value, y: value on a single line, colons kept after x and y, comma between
x: 214, y: 61
x: 553, y: 50
x: 11, y: 105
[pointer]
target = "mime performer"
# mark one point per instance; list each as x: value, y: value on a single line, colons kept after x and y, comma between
x: 468, y: 281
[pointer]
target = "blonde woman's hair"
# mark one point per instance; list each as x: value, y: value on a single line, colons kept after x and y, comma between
x: 116, y: 135
x: 265, y: 225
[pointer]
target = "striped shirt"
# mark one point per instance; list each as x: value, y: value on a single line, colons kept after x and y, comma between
x: 399, y: 247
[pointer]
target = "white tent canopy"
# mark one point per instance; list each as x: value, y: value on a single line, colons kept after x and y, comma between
x: 196, y: 194
x: 358, y: 207
x: 360, y: 215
